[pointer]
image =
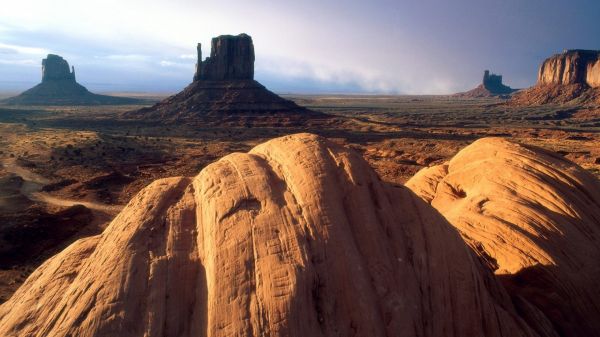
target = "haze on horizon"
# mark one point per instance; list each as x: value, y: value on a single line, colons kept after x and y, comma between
x: 380, y: 46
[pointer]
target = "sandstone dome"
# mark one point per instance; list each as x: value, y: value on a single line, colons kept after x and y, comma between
x: 298, y: 237
x: 534, y: 218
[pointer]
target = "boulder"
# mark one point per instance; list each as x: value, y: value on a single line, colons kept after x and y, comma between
x: 533, y: 218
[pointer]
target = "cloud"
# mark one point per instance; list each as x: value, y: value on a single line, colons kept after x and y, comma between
x: 16, y: 49
x: 188, y: 56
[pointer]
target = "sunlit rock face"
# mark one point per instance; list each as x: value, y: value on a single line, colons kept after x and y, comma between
x: 572, y: 67
x: 298, y: 237
x: 533, y: 217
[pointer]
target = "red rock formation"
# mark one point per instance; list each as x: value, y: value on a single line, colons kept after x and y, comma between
x: 298, y: 237
x: 534, y: 218
x: 573, y: 75
x: 571, y: 67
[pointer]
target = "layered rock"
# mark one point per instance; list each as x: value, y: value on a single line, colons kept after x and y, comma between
x: 224, y: 91
x: 491, y: 86
x: 534, y: 219
x: 59, y: 87
x: 298, y: 237
x: 573, y: 75
x: 571, y: 67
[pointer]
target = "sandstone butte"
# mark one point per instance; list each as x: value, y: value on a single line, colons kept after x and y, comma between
x: 299, y: 237
x: 570, y: 75
x: 59, y: 87
x: 491, y: 86
x: 223, y: 90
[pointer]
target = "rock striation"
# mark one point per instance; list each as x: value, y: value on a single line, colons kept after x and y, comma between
x: 491, y: 86
x: 534, y: 219
x: 573, y: 75
x: 572, y: 67
x: 224, y: 91
x: 59, y: 87
x: 298, y: 237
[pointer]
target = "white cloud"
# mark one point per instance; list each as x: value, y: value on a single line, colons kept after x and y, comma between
x: 16, y: 49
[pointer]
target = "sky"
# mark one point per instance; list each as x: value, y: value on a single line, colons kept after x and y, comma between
x: 309, y: 46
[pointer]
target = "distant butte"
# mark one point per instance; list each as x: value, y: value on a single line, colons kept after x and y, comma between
x: 59, y: 87
x: 224, y: 90
x: 491, y: 86
x: 573, y: 75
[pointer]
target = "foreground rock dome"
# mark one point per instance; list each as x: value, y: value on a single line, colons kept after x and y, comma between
x: 298, y: 237
x: 533, y: 217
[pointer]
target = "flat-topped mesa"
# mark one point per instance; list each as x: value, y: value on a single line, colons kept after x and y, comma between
x: 231, y: 58
x: 575, y: 66
x: 55, y: 67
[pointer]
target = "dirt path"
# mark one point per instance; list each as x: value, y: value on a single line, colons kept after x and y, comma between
x: 33, y: 185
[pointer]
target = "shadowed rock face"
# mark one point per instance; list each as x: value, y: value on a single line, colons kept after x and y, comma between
x: 231, y: 58
x: 59, y: 87
x: 298, y: 237
x: 491, y: 86
x: 56, y: 68
x: 572, y: 67
x: 224, y: 90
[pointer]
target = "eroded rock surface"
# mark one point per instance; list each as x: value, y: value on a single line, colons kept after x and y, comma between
x: 534, y: 219
x: 572, y: 67
x: 298, y: 237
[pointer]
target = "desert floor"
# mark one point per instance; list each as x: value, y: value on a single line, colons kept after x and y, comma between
x: 66, y: 171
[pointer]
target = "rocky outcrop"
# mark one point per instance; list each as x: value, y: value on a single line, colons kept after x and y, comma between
x: 59, y: 87
x: 224, y: 91
x: 491, y: 86
x: 534, y: 219
x: 55, y: 68
x: 298, y: 237
x: 571, y: 67
x: 572, y: 76
x: 231, y: 58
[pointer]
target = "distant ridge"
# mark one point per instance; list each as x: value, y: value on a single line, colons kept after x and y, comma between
x: 59, y: 87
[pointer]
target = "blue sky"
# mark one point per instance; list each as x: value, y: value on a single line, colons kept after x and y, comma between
x: 311, y: 46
